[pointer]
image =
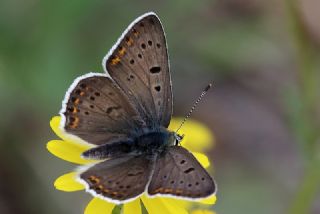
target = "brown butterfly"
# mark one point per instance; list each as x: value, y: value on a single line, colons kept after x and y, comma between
x: 125, y: 113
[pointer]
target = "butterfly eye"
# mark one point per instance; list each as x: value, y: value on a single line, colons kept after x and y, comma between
x: 178, y: 138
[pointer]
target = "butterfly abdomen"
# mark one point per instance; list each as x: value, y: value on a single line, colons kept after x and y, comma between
x: 148, y: 144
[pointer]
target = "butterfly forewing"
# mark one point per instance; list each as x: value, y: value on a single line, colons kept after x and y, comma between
x: 97, y: 111
x: 139, y: 64
x: 118, y: 179
x: 178, y: 173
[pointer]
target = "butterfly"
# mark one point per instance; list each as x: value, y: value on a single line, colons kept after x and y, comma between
x: 125, y: 113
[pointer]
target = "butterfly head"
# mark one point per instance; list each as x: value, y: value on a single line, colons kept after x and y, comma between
x: 175, y: 138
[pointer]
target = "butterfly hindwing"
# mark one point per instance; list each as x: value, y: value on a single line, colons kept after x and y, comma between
x: 178, y: 173
x: 139, y: 64
x: 97, y: 111
x: 118, y: 179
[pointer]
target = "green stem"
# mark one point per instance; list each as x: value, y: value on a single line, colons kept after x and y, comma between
x: 117, y: 209
x: 307, y: 74
x: 307, y: 190
x: 305, y: 55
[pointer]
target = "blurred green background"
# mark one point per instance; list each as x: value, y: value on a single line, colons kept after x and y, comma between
x: 263, y: 57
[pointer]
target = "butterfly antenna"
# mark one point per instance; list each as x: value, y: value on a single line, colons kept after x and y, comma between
x: 203, y: 93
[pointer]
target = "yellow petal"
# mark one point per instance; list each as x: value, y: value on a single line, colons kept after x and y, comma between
x: 175, y: 206
x: 68, y: 183
x: 153, y: 206
x: 211, y: 200
x: 55, y: 125
x: 68, y: 151
x: 179, y: 201
x: 197, y: 136
x: 202, y: 158
x: 132, y: 207
x: 99, y: 206
x: 160, y: 205
x: 202, y: 212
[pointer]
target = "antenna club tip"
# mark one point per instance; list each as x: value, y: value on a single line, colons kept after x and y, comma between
x: 208, y: 87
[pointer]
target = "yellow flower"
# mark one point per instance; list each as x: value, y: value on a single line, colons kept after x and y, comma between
x: 202, y: 212
x: 71, y: 148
